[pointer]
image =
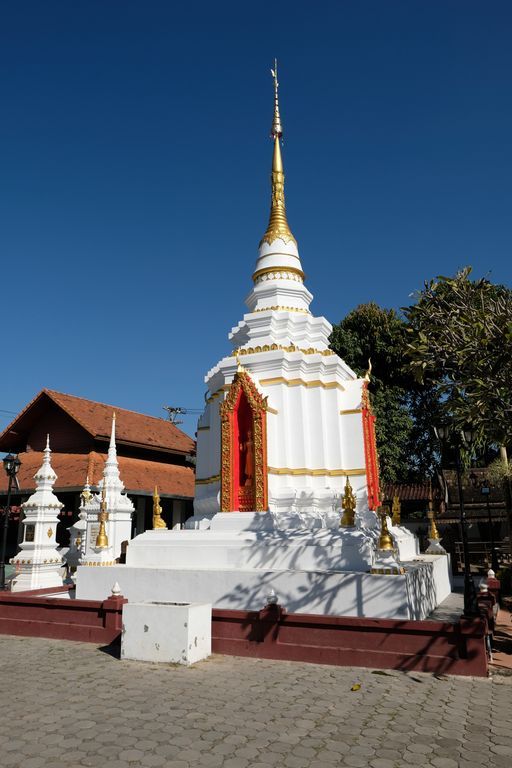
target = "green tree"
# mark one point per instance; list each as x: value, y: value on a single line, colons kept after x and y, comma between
x: 401, y: 405
x: 460, y: 345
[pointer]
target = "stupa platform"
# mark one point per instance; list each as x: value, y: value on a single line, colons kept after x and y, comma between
x: 413, y: 595
x: 241, y: 558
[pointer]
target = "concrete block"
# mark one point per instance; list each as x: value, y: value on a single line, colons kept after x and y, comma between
x: 180, y: 633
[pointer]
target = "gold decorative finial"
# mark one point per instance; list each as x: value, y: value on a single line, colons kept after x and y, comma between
x: 86, y: 494
x: 385, y: 540
x: 278, y: 226
x: 349, y: 506
x: 277, y: 128
x: 396, y: 510
x: 157, y: 511
x: 368, y: 372
x: 101, y: 538
x: 433, y: 532
x: 240, y: 368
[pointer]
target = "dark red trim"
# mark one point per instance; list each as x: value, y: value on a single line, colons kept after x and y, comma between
x: 426, y: 646
x: 92, y: 621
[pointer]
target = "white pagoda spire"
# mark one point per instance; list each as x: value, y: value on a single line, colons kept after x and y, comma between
x: 38, y: 564
x: 278, y: 277
x: 119, y: 507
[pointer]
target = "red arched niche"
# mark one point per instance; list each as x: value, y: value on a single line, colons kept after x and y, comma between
x: 243, y: 448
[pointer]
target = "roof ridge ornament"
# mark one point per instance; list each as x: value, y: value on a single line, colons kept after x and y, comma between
x: 278, y: 226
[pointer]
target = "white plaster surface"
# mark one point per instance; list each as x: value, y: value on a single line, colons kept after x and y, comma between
x: 426, y: 583
x: 322, y: 549
x: 179, y: 633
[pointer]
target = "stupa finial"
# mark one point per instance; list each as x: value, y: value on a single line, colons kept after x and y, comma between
x: 278, y: 226
x: 113, y: 430
x: 277, y: 128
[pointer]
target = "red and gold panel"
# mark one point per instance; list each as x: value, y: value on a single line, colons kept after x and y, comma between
x: 370, y: 450
x: 243, y: 472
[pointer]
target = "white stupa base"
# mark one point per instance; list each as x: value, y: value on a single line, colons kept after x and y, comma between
x: 413, y: 595
x: 435, y: 548
x: 249, y: 541
x: 406, y: 542
x: 386, y: 564
x: 104, y: 557
x: 37, y: 576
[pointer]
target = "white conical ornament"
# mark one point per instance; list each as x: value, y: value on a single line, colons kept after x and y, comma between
x: 38, y: 564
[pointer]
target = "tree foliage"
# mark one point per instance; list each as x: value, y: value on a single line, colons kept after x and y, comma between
x: 460, y: 346
x: 401, y: 405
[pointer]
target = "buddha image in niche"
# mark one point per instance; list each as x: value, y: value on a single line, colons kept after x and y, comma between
x: 247, y: 460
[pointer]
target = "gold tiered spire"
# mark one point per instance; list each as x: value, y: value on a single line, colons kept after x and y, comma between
x: 102, y: 538
x: 278, y: 224
x: 158, y: 521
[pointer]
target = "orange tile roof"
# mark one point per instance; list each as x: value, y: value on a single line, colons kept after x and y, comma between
x: 132, y: 428
x: 137, y: 474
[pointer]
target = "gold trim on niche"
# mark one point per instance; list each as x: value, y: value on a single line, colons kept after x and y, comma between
x: 317, y: 472
x: 301, y: 382
x: 350, y: 411
x: 207, y: 480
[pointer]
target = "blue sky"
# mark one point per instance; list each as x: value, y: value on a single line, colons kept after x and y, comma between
x: 135, y: 156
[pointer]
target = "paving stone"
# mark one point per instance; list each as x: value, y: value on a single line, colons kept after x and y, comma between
x: 241, y: 713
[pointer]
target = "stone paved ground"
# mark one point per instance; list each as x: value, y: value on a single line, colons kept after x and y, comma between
x: 69, y: 704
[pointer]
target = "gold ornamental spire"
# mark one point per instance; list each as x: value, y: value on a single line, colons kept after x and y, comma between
x: 278, y: 224
x: 102, y: 538
x: 158, y: 521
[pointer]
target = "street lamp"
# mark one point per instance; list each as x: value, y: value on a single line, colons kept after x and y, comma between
x: 11, y: 466
x: 485, y: 490
x: 465, y: 437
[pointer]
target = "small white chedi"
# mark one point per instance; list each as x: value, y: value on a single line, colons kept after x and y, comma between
x: 38, y: 564
x: 115, y: 507
x: 286, y: 432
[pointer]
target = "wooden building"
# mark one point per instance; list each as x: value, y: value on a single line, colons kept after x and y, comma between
x: 151, y: 451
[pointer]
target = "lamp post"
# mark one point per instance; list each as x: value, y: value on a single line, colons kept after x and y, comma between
x: 485, y: 490
x: 443, y: 433
x: 11, y: 466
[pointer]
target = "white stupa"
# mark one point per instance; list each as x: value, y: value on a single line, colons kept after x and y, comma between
x: 118, y: 505
x: 39, y: 564
x: 286, y: 423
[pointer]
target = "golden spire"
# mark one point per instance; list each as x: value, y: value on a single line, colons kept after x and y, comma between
x: 396, y: 510
x: 278, y: 224
x: 158, y: 522
x: 348, y: 505
x: 433, y: 533
x: 102, y: 539
x: 385, y: 540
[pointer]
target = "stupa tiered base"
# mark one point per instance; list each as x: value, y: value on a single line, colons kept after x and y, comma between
x: 242, y: 557
x: 435, y: 547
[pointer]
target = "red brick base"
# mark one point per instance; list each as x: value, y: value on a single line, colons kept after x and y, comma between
x: 427, y: 646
